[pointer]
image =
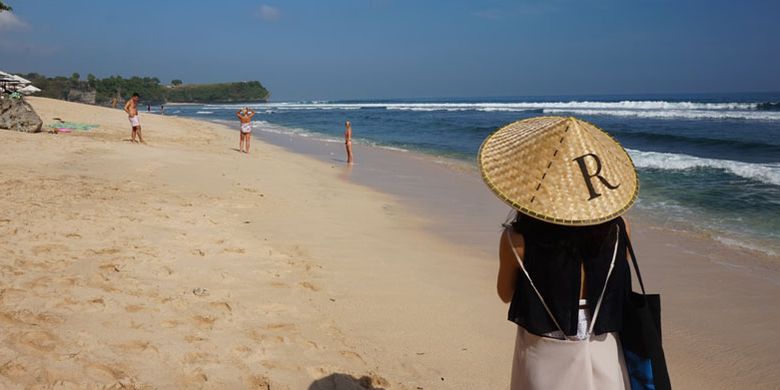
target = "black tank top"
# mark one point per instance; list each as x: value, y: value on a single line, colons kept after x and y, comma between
x: 557, y: 278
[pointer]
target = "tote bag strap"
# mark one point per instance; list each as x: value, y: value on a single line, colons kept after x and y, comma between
x: 633, y: 258
x: 538, y: 294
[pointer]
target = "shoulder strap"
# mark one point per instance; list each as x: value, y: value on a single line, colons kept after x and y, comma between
x: 633, y: 258
x: 606, y: 281
x: 520, y: 261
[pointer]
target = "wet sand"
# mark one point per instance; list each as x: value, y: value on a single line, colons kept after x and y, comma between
x: 718, y: 310
x: 185, y: 264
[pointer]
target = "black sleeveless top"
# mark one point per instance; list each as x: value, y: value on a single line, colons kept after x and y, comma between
x: 557, y: 278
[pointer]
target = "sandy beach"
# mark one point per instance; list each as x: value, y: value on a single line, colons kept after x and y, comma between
x: 186, y: 264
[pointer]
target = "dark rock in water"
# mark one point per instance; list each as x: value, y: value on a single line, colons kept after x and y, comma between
x: 18, y: 115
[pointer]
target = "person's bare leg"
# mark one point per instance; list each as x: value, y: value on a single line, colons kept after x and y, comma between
x: 349, y: 153
x: 132, y: 134
x: 240, y: 141
x: 140, y: 138
x: 248, y: 137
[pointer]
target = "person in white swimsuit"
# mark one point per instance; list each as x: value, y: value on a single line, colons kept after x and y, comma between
x: 245, y: 116
x: 131, y: 108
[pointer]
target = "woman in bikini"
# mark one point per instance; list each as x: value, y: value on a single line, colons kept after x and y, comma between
x: 348, y: 141
x: 245, y: 116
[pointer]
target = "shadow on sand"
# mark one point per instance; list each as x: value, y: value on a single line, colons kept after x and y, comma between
x: 339, y: 381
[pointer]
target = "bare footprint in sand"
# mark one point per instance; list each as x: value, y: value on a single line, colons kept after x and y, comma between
x: 135, y: 346
x: 109, y: 267
x: 14, y: 370
x: 351, y: 355
x: 105, y: 251
x: 134, y: 308
x: 259, y: 382
x: 103, y: 373
x: 39, y: 341
x: 309, y: 286
x: 222, y: 306
x: 200, y: 358
x: 205, y: 322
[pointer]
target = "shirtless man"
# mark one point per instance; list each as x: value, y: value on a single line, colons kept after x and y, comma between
x: 348, y: 141
x: 131, y: 108
x: 245, y: 116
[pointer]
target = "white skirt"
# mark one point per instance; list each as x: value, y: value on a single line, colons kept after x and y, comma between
x: 588, y: 363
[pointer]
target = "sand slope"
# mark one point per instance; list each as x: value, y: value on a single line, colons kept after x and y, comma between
x: 103, y: 242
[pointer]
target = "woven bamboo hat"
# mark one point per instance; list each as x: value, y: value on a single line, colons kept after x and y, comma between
x: 560, y: 170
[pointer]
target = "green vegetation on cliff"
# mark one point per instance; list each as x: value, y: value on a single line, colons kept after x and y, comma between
x: 218, y: 93
x: 103, y: 91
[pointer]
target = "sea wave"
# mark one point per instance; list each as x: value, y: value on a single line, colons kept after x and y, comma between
x: 675, y: 114
x: 768, y: 173
x: 204, y: 112
x: 640, y: 108
x: 522, y: 106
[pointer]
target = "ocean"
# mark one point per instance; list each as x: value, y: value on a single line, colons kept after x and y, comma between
x: 707, y: 163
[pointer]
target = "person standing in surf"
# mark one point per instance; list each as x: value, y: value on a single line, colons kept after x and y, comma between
x: 131, y: 108
x: 348, y: 141
x: 245, y: 116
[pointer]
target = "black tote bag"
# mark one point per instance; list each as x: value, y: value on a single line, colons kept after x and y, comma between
x: 641, y: 336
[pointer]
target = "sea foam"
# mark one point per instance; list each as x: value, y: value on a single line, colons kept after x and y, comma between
x: 768, y: 173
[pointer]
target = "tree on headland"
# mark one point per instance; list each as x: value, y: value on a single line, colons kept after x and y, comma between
x: 176, y: 82
x: 4, y: 7
x: 151, y: 91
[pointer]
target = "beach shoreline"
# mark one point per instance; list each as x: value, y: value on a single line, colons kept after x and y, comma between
x: 397, y: 172
x: 309, y: 272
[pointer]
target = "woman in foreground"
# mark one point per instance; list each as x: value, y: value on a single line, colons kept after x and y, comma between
x: 563, y: 254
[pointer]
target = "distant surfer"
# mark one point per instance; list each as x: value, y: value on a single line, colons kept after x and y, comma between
x: 245, y: 116
x: 131, y: 108
x: 348, y: 141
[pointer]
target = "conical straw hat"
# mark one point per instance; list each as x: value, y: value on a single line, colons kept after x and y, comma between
x: 560, y: 170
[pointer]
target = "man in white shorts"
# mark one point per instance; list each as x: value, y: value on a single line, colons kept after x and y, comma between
x: 131, y: 108
x: 245, y: 116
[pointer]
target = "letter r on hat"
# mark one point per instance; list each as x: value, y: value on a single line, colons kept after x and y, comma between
x: 589, y: 176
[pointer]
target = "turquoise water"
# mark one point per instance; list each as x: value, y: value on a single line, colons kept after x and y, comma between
x: 704, y: 161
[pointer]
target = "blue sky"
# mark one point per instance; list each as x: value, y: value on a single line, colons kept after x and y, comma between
x: 391, y: 48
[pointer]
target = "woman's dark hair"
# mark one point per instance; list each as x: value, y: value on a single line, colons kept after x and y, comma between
x: 583, y: 240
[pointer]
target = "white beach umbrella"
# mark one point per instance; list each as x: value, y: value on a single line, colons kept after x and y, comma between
x: 29, y: 90
x: 6, y: 76
x: 21, y: 80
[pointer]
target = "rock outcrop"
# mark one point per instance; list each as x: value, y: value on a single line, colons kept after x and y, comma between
x: 79, y: 96
x: 18, y: 115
